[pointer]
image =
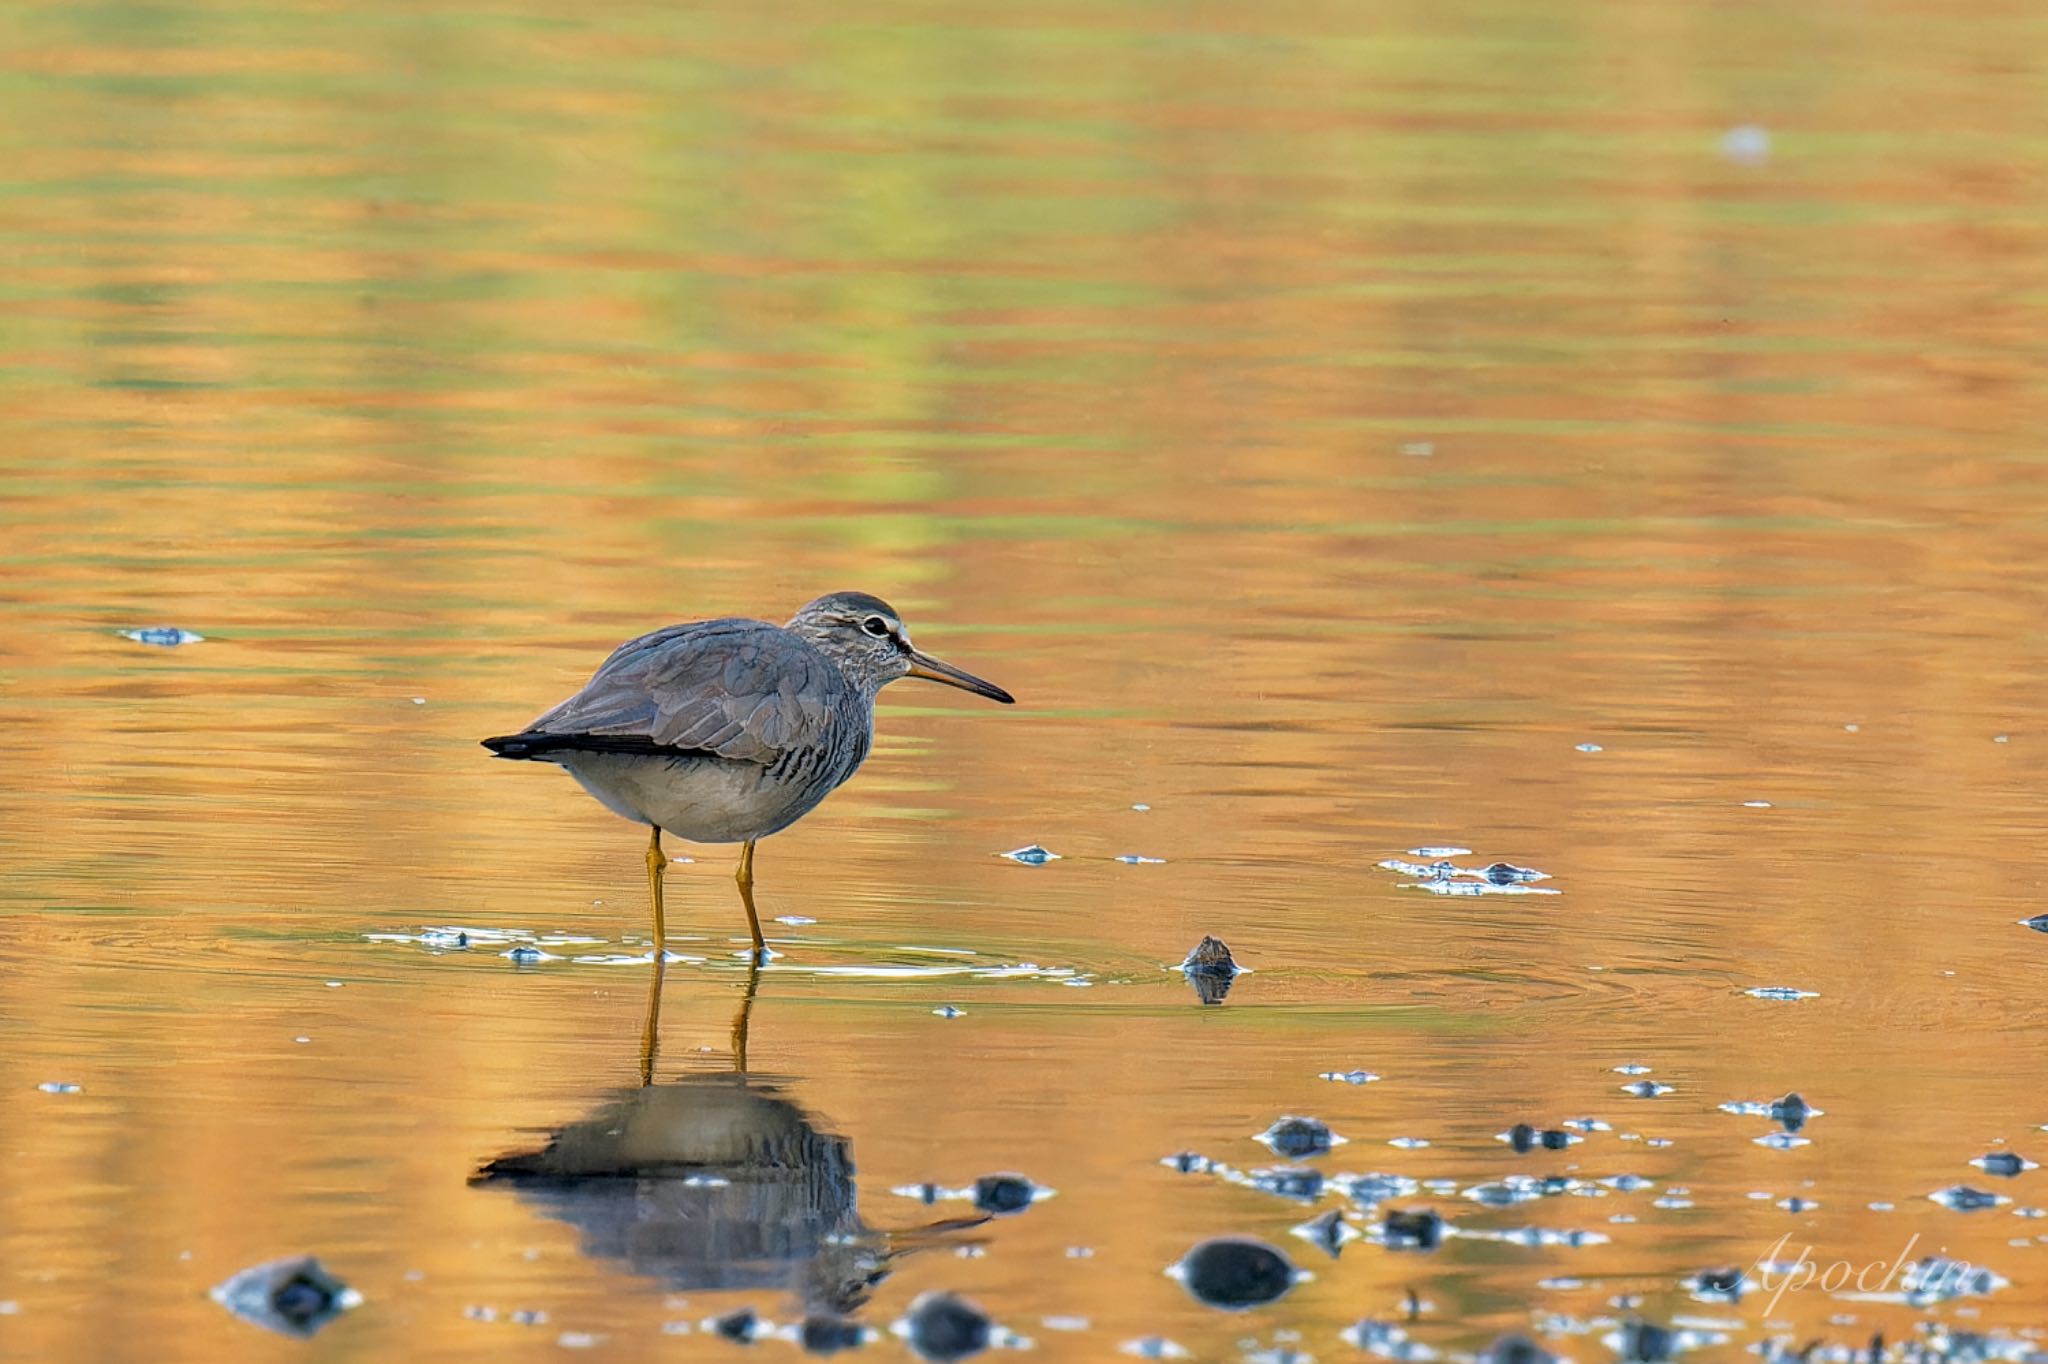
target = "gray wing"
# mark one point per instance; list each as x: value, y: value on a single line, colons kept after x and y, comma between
x: 741, y: 689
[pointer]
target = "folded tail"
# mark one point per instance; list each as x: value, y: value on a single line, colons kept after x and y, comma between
x: 519, y: 745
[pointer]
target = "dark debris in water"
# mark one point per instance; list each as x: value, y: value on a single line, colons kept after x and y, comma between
x: 1005, y: 1194
x: 1792, y: 1111
x: 1290, y: 1181
x: 1444, y: 877
x: 1210, y: 957
x: 1513, y: 1189
x: 1001, y: 1194
x: 1328, y: 1232
x: 1211, y: 969
x: 295, y: 1296
x: 1718, y: 1285
x: 1963, y: 1198
x: 1503, y: 1193
x: 1524, y: 1137
x: 1411, y: 1229
x: 943, y: 1327
x: 1937, y: 1278
x: 823, y: 1334
x: 1298, y: 1137
x: 1368, y: 1191
x: 1641, y: 1342
x: 1939, y: 1343
x: 1515, y: 1349
x: 741, y: 1324
x: 1236, y: 1272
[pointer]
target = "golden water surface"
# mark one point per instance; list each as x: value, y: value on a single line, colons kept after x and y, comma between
x: 1325, y: 417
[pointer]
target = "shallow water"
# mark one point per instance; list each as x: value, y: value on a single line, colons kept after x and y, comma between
x: 1329, y: 424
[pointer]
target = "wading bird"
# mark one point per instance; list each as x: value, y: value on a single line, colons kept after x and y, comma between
x: 726, y: 731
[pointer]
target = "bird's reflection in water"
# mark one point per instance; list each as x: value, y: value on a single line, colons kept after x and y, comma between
x: 713, y: 1182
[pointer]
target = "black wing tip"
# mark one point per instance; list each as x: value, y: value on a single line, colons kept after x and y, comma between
x: 538, y: 744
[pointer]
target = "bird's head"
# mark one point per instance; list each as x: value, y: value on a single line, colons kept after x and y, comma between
x: 866, y: 638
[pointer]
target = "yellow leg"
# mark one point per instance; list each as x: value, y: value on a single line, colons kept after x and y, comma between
x: 745, y: 877
x: 655, y: 862
x: 744, y: 1016
x: 650, y: 1032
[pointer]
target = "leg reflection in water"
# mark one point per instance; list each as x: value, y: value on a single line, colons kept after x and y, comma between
x: 714, y: 1182
x: 650, y: 1031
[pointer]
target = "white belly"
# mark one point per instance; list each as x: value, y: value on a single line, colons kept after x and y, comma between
x: 703, y: 800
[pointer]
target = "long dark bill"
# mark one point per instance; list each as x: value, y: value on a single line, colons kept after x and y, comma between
x: 932, y: 670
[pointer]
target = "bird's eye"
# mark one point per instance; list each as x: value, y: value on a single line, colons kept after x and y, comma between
x: 876, y: 626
